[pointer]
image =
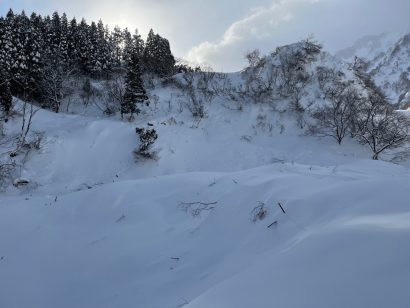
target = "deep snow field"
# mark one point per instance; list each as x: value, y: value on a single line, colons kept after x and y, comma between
x: 99, y: 229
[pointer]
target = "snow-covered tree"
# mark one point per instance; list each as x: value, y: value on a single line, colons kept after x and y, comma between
x: 128, y: 46
x: 72, y: 44
x: 5, y: 95
x: 63, y: 44
x: 138, y: 44
x: 26, y: 44
x: 157, y: 57
x: 116, y: 40
x: 135, y: 93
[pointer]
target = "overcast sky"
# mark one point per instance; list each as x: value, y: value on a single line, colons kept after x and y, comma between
x: 219, y: 32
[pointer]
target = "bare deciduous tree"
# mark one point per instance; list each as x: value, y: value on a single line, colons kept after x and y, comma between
x: 380, y: 127
x: 253, y: 57
x: 376, y: 123
x: 28, y: 113
x: 335, y: 118
x: 54, y: 83
x: 114, y: 98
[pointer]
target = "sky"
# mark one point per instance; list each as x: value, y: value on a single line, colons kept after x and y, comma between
x: 220, y: 32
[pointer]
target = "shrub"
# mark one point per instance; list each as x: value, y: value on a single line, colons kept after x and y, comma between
x: 147, y: 138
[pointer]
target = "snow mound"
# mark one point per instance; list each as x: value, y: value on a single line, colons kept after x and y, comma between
x: 342, y: 241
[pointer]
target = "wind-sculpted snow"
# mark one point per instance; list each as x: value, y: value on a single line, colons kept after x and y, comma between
x: 341, y: 243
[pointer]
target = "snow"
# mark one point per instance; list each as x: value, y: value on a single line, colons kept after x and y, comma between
x: 100, y: 229
x: 342, y: 241
x: 369, y: 47
x: 390, y: 71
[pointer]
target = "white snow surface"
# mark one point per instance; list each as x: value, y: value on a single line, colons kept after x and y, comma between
x: 100, y: 229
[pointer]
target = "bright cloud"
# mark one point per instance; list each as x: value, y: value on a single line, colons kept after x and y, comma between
x: 336, y: 23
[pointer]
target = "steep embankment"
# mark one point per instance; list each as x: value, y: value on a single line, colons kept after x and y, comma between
x: 187, y: 238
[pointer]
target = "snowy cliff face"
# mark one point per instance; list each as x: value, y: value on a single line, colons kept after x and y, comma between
x: 391, y: 72
x: 386, y: 59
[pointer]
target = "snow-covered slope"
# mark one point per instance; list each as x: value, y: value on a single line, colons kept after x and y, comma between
x: 342, y: 241
x: 81, y: 240
x: 391, y: 72
x: 82, y: 151
x: 240, y: 209
x: 387, y: 61
x: 369, y: 47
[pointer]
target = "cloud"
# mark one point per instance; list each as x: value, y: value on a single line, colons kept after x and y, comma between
x: 336, y: 23
x: 255, y: 30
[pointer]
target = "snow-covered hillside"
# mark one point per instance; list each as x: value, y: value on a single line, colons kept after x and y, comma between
x: 241, y: 207
x: 386, y: 57
x: 392, y: 72
x: 341, y: 242
x: 369, y: 47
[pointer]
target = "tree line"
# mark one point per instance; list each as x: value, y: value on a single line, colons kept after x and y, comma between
x: 37, y: 54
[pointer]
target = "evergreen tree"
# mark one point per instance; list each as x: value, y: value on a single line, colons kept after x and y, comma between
x: 5, y: 47
x: 46, y: 30
x: 34, y: 50
x: 54, y: 34
x: 5, y: 95
x: 133, y: 44
x: 115, y: 46
x: 128, y: 46
x: 20, y: 81
x: 103, y: 51
x: 31, y: 46
x: 158, y: 58
x: 93, y: 63
x: 10, y: 49
x: 84, y: 46
x: 63, y: 44
x: 149, y: 52
x: 134, y: 89
x: 138, y: 44
x: 72, y: 44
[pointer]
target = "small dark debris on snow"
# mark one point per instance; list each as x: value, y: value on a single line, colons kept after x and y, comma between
x: 21, y: 183
x: 281, y: 207
x: 121, y: 218
x: 273, y: 224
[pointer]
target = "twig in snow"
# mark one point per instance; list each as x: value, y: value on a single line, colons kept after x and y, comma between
x: 121, y: 218
x: 259, y: 212
x: 281, y: 207
x: 273, y: 223
x: 176, y: 262
x: 196, y: 208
